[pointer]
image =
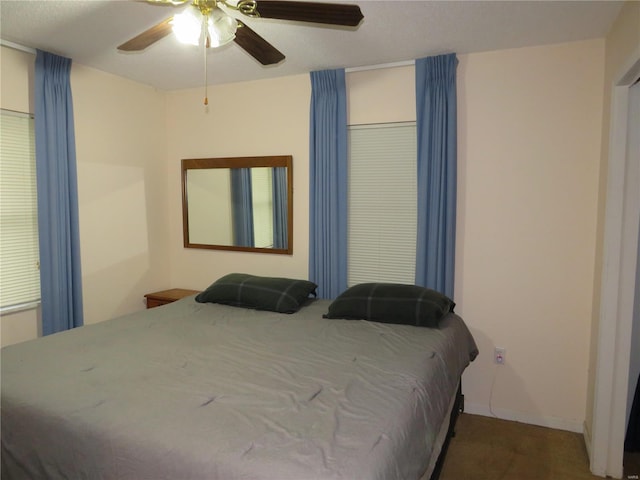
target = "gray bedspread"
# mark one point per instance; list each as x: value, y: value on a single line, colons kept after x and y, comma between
x: 203, y: 391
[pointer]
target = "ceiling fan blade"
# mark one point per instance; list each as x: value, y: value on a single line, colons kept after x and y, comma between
x: 328, y: 13
x: 256, y: 46
x: 148, y: 37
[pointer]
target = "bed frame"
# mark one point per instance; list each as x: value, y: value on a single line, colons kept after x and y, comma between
x: 458, y: 408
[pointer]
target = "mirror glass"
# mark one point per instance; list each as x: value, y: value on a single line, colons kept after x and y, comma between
x: 241, y: 203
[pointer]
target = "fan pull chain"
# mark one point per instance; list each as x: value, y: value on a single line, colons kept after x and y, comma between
x: 206, y: 43
x: 206, y: 96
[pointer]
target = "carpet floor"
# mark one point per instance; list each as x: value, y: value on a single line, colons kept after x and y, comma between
x: 491, y: 449
x: 632, y: 466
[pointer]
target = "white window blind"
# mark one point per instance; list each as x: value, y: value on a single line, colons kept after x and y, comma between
x: 382, y: 203
x: 19, y: 255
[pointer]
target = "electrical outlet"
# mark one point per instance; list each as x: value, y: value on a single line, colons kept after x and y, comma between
x: 499, y: 356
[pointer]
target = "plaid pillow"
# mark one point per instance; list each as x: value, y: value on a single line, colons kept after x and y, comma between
x: 282, y: 295
x: 391, y: 303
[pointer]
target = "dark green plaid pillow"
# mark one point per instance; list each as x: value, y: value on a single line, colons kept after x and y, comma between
x: 391, y: 303
x: 282, y: 295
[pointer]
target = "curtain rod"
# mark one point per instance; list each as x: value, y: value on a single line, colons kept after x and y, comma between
x: 16, y: 46
x: 381, y: 66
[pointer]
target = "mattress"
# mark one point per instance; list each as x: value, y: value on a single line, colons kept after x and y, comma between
x: 205, y: 391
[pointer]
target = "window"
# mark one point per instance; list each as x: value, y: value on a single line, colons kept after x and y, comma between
x: 382, y: 209
x: 261, y: 186
x: 19, y: 272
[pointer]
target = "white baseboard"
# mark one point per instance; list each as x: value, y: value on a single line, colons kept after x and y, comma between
x: 531, y: 419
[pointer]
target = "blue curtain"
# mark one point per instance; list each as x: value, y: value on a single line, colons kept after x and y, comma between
x: 328, y: 183
x: 242, y: 206
x: 60, y: 273
x: 280, y: 226
x: 437, y: 171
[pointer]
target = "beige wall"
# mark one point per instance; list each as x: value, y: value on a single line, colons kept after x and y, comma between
x: 124, y: 228
x: 529, y: 147
x: 381, y: 96
x: 120, y: 132
x: 268, y: 117
x: 622, y: 41
x: 16, y: 80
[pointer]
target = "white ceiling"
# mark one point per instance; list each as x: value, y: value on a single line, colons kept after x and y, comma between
x: 88, y: 31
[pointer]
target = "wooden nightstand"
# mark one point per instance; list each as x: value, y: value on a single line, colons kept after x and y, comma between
x: 167, y: 296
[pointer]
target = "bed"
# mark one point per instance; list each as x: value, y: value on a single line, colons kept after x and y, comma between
x: 197, y: 390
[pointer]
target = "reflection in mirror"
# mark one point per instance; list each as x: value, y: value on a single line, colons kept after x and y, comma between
x: 240, y: 203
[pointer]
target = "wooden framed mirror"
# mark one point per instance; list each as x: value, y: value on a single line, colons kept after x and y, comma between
x: 238, y: 203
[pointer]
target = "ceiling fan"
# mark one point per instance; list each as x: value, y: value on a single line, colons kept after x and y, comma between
x: 206, y: 22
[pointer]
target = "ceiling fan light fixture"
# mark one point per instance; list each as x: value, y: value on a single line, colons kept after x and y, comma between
x: 222, y: 27
x: 187, y: 26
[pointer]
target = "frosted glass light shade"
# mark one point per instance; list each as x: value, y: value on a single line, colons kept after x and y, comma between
x: 187, y: 26
x: 222, y: 28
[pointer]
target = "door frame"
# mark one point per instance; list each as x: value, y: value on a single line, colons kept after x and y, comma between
x: 617, y: 287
